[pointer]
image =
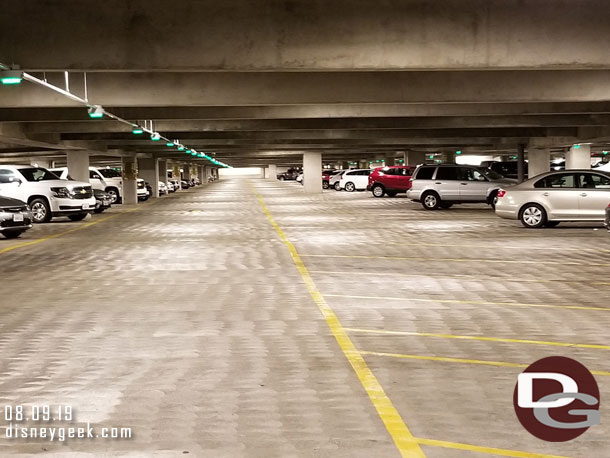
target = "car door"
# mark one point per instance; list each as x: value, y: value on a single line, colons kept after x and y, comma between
x: 362, y: 179
x: 447, y: 183
x: 96, y: 180
x: 559, y: 193
x: 402, y: 179
x: 474, y: 185
x: 11, y: 184
x: 593, y: 196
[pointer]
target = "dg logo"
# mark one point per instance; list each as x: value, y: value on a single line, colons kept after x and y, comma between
x: 557, y: 399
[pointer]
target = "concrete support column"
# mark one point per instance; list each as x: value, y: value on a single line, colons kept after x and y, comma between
x: 162, y: 168
x: 312, y: 172
x: 414, y: 158
x: 271, y: 172
x: 130, y: 186
x: 449, y: 157
x: 579, y: 157
x: 262, y: 172
x: 78, y: 165
x: 363, y: 164
x: 176, y: 174
x: 148, y: 169
x: 389, y: 160
x: 538, y: 161
x: 521, y: 163
x: 186, y: 172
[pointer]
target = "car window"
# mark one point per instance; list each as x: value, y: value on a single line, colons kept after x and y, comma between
x: 37, y: 174
x: 93, y: 174
x: 593, y: 181
x: 448, y: 173
x: 470, y: 174
x: 425, y: 173
x: 563, y: 180
x: 7, y: 176
x: 110, y: 173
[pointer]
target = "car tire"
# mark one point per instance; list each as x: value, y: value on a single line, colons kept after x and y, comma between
x: 493, y: 199
x: 41, y: 212
x: 114, y: 195
x: 12, y: 234
x: 532, y: 216
x: 431, y: 201
x: 78, y: 216
x: 350, y: 187
x: 325, y: 185
x: 337, y: 186
x: 391, y: 193
x: 281, y: 178
x: 446, y: 205
x: 378, y: 190
x: 551, y: 224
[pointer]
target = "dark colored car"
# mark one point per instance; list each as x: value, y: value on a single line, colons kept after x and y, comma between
x: 390, y: 180
x: 326, y: 175
x: 508, y: 169
x: 103, y: 200
x: 184, y: 184
x: 15, y: 217
x: 290, y: 174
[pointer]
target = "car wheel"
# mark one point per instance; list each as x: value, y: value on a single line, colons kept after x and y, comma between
x: 325, y: 185
x: 378, y: 190
x: 431, y: 201
x: 446, y: 205
x: 532, y: 216
x: 114, y: 195
x: 350, y: 187
x: 337, y: 186
x: 41, y: 213
x: 12, y: 234
x: 78, y: 216
x: 551, y: 224
x: 282, y: 178
x: 391, y: 193
x: 493, y: 199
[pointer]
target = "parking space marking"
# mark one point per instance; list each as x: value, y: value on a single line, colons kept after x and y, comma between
x: 488, y: 450
x: 480, y: 338
x: 69, y: 231
x: 460, y: 277
x: 457, y: 301
x: 459, y: 360
x: 400, y: 433
x: 491, y: 261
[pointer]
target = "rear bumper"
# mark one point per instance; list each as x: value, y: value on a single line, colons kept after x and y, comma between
x: 414, y: 195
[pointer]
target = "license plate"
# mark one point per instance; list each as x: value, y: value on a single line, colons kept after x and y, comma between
x: 18, y: 218
x: 85, y: 206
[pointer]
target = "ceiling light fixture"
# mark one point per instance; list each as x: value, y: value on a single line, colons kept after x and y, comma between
x: 155, y: 137
x: 11, y: 77
x: 96, y: 112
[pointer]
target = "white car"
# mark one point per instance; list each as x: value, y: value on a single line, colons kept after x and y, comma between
x: 143, y: 193
x: 46, y: 194
x: 334, y: 181
x: 357, y: 179
x: 96, y: 180
x: 552, y: 197
x: 114, y: 182
x: 162, y: 188
x: 170, y: 186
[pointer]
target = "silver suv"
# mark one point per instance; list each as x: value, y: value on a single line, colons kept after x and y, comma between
x: 441, y: 186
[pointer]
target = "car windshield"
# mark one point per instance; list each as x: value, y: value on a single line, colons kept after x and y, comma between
x: 110, y: 173
x: 491, y: 174
x: 38, y: 174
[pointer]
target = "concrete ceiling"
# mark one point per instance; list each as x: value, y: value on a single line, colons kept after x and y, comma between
x: 262, y: 82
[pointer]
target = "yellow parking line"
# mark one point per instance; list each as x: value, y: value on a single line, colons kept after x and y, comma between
x: 488, y: 450
x: 459, y: 277
x: 485, y: 339
x: 455, y: 301
x: 459, y: 360
x: 61, y: 234
x: 400, y: 433
x: 491, y: 261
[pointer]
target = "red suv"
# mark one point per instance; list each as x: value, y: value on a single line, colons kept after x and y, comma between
x: 390, y: 180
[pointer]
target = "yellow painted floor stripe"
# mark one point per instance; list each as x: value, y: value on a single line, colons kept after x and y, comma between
x: 455, y: 301
x: 459, y: 360
x: 492, y: 261
x: 481, y: 338
x: 404, y: 440
x: 488, y: 450
x: 69, y: 231
x: 458, y: 277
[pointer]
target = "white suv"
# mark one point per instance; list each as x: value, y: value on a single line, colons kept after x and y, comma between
x: 113, y: 185
x: 46, y: 194
x: 355, y: 179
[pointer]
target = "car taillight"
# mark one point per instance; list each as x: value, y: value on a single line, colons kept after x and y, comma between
x: 501, y: 193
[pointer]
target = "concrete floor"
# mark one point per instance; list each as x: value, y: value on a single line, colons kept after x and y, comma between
x: 188, y: 321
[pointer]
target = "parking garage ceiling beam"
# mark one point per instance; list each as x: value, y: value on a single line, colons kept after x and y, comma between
x: 278, y: 88
x: 157, y: 35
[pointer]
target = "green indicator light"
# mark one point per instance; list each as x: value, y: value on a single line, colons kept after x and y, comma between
x: 458, y: 152
x: 431, y: 156
x: 576, y: 146
x: 169, y: 144
x: 96, y: 115
x: 605, y: 153
x: 137, y: 131
x: 10, y: 80
x: 181, y: 148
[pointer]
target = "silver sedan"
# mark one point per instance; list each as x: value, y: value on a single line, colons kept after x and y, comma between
x: 549, y: 198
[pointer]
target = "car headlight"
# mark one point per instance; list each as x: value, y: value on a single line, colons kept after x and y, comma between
x: 62, y: 192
